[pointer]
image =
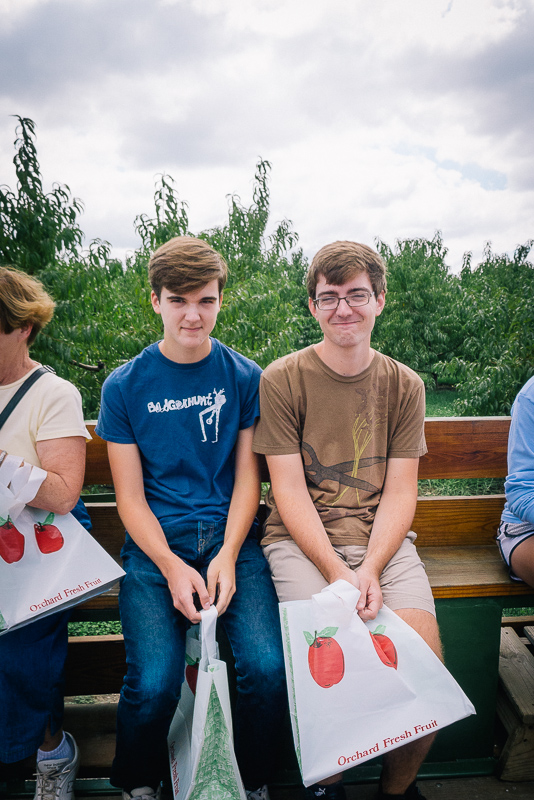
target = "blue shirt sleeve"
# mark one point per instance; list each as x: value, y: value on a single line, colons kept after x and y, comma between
x: 250, y: 410
x: 519, y: 485
x: 113, y: 420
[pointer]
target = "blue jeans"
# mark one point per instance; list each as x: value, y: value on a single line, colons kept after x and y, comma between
x: 32, y: 663
x: 154, y: 634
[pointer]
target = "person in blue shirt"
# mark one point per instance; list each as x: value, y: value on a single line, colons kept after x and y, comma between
x: 516, y: 531
x: 179, y: 420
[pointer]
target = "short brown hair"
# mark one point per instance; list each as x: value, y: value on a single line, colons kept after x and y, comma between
x: 340, y: 261
x: 23, y: 301
x: 185, y: 264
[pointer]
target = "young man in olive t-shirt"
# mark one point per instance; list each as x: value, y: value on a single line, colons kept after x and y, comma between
x: 341, y: 426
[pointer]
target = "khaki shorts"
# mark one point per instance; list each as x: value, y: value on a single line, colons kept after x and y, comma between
x: 404, y: 581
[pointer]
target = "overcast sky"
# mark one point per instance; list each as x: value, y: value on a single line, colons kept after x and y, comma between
x: 381, y: 118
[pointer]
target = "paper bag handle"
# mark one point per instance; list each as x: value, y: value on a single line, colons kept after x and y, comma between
x: 23, y: 480
x: 336, y: 602
x: 208, y: 641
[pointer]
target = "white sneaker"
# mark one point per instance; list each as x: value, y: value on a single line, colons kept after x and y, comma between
x: 260, y: 794
x: 143, y: 793
x: 56, y: 776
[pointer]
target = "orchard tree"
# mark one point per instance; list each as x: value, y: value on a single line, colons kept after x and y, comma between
x: 496, y: 356
x: 104, y: 316
x: 36, y: 229
x: 419, y: 324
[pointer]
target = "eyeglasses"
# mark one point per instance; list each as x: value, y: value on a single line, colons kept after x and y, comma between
x: 331, y: 301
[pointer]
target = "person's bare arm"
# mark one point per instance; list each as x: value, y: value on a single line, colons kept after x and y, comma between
x: 145, y: 530
x: 243, y: 508
x: 301, y: 518
x: 64, y: 462
x: 393, y: 519
x: 392, y: 522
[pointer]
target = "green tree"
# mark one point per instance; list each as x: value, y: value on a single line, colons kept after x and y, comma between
x: 419, y: 325
x: 104, y: 316
x: 265, y: 313
x: 36, y: 229
x: 496, y: 356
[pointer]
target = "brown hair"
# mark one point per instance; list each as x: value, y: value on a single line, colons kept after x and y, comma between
x: 23, y: 301
x: 340, y: 261
x: 185, y: 264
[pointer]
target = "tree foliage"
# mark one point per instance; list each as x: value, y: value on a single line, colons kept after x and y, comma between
x: 474, y: 330
x: 419, y: 323
x: 496, y: 352
x: 36, y: 228
x: 104, y: 315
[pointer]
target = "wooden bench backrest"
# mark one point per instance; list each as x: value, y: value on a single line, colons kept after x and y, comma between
x: 458, y: 447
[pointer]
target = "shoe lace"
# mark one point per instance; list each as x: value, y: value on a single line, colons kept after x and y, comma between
x: 47, y: 784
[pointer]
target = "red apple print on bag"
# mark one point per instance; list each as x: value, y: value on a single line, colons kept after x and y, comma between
x: 49, y: 538
x: 11, y: 541
x: 191, y: 673
x: 384, y: 647
x: 325, y: 658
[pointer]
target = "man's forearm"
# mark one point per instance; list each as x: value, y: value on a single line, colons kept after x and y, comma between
x: 303, y: 523
x: 245, y: 494
x: 145, y: 529
x: 392, y: 522
x: 241, y: 514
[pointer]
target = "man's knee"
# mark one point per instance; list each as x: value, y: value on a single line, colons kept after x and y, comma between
x: 262, y: 671
x: 154, y: 685
x: 426, y: 626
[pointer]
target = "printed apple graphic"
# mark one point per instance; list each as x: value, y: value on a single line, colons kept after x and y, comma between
x: 11, y: 541
x: 191, y: 673
x: 325, y: 657
x: 49, y: 538
x: 384, y: 647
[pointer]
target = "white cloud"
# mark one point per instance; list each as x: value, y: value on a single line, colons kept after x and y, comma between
x: 380, y: 118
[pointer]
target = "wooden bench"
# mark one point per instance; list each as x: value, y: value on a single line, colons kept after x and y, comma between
x: 515, y: 704
x: 456, y: 540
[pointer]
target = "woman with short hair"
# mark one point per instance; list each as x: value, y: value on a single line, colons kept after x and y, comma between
x: 45, y: 429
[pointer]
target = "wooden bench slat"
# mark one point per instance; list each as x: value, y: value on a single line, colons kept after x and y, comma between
x: 465, y: 447
x: 458, y: 447
x: 438, y: 521
x: 516, y: 671
x: 518, y: 623
x: 97, y: 470
x: 468, y: 572
x: 454, y: 520
x: 95, y: 665
x: 107, y: 526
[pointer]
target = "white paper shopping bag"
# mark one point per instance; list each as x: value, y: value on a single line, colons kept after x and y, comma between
x: 358, y: 690
x: 48, y: 561
x: 201, y: 750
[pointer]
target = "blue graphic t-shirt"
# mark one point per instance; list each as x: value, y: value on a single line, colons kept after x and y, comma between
x: 185, y: 419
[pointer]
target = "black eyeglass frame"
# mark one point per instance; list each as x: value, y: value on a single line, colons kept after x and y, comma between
x: 318, y: 300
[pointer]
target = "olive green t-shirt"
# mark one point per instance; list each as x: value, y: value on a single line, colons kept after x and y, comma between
x: 345, y: 428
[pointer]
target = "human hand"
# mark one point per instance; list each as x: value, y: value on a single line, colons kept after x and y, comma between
x: 370, y: 601
x: 221, y: 580
x: 185, y: 582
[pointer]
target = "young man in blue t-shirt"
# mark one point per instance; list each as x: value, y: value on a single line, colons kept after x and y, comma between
x: 179, y: 420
